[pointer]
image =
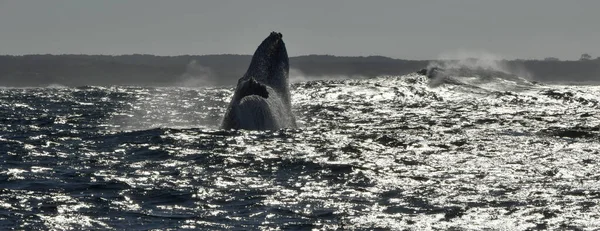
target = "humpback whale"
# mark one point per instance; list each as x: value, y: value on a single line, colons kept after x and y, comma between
x: 262, y: 100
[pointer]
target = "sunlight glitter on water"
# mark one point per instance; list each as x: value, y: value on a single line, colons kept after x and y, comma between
x: 391, y: 152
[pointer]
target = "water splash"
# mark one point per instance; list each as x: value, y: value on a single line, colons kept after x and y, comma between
x: 480, y: 70
x: 476, y: 60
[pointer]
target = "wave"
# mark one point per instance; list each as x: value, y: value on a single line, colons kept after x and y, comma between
x: 477, y: 70
x: 475, y: 77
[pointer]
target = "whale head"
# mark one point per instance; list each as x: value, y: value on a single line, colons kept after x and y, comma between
x: 270, y: 64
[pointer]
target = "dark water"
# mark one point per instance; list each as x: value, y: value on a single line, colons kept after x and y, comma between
x: 391, y: 153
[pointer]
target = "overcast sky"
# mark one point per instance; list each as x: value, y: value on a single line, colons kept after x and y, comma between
x: 419, y: 29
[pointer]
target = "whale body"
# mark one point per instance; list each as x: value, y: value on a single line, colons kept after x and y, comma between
x: 262, y: 99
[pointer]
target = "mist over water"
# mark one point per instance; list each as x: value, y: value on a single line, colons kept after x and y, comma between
x: 196, y: 75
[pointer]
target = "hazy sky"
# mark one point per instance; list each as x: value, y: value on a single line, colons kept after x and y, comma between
x: 419, y: 29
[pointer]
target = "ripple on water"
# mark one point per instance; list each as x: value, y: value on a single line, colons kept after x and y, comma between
x: 388, y: 153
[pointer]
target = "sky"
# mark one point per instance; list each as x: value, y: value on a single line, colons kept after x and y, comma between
x: 411, y: 29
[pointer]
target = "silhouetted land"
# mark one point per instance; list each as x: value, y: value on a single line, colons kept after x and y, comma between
x: 150, y: 70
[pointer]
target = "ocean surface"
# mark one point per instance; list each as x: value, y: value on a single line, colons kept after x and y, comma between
x: 391, y: 153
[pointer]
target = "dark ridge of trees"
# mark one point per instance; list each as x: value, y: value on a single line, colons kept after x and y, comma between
x: 585, y: 57
x: 151, y: 70
x: 582, y: 71
x: 136, y: 69
x: 371, y: 66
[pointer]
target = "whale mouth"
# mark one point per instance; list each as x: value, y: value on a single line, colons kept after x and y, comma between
x: 252, y: 87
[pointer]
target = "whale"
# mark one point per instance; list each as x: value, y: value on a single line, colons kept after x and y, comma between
x: 262, y: 98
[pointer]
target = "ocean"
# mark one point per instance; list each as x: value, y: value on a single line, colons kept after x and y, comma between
x: 390, y: 153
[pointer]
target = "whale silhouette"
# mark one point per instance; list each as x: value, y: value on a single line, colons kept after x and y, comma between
x: 262, y: 99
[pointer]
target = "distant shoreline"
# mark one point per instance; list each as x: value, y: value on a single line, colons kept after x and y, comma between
x: 226, y: 69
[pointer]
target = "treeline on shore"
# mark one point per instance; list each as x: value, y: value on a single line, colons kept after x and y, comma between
x: 194, y: 71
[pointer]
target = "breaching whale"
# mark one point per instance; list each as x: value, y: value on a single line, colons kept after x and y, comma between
x: 262, y: 100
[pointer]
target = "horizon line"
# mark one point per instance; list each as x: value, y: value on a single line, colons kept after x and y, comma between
x: 307, y: 55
